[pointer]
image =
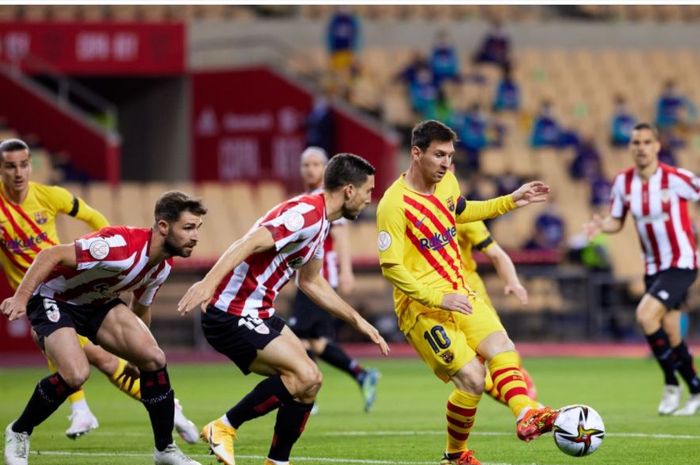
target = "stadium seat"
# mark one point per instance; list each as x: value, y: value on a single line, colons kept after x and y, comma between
x: 102, y: 196
x: 268, y: 194
x: 9, y: 12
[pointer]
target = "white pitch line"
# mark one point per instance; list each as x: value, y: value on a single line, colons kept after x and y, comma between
x: 439, y: 433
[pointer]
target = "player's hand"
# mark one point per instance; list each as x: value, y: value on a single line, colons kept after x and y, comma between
x: 593, y: 227
x: 198, y: 294
x: 129, y: 376
x: 372, y: 333
x: 13, y: 308
x: 518, y: 291
x: 456, y: 303
x: 531, y: 192
x: 346, y: 283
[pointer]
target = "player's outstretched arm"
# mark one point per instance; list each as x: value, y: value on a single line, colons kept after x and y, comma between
x: 608, y: 225
x: 318, y: 290
x: 506, y: 271
x: 16, y: 306
x: 341, y: 240
x: 255, y: 241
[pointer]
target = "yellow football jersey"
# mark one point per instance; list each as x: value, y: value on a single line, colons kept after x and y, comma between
x: 470, y: 236
x: 417, y: 240
x: 28, y: 228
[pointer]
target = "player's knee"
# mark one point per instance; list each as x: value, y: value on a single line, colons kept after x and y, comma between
x: 75, y: 376
x: 153, y: 359
x: 471, y: 378
x: 310, y: 380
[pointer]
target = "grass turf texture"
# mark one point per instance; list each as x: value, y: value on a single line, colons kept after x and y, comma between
x: 405, y: 427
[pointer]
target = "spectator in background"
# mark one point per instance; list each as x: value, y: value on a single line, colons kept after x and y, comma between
x: 545, y: 130
x: 320, y: 125
x: 473, y: 138
x: 669, y: 109
x: 444, y: 61
x: 423, y: 93
x: 343, y: 39
x: 506, y: 181
x: 409, y: 74
x: 495, y: 48
x: 507, y: 96
x: 622, y: 123
x: 586, y: 155
x: 549, y: 231
x: 600, y: 189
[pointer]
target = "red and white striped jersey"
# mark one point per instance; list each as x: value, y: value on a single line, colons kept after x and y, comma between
x: 110, y: 261
x: 299, y: 227
x: 660, y: 211
x: 330, y: 269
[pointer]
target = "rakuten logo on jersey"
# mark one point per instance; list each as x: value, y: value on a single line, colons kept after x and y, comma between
x: 438, y: 240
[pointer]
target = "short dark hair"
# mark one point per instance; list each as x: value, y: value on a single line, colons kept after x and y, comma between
x: 425, y: 132
x: 171, y: 204
x: 344, y: 169
x: 649, y: 127
x: 13, y: 145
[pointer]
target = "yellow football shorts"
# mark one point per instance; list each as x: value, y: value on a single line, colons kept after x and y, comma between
x: 446, y: 341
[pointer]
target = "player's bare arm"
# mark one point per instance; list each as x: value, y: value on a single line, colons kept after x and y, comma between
x: 403, y: 280
x: 608, y: 225
x: 16, y: 306
x: 317, y: 289
x: 141, y: 311
x: 506, y: 271
x: 255, y: 241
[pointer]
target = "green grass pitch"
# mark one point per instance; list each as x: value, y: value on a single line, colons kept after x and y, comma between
x: 406, y: 426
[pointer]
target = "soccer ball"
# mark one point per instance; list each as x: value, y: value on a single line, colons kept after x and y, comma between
x: 578, y: 430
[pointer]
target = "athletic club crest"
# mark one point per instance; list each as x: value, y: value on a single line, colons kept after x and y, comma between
x: 450, y: 204
x: 40, y: 217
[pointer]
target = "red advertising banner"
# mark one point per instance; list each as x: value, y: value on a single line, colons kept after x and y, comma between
x: 248, y: 124
x: 95, y: 48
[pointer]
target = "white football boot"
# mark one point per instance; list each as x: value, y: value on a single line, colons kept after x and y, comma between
x: 172, y: 455
x: 81, y: 422
x: 184, y: 427
x: 16, y: 447
x: 670, y: 399
x: 691, y: 406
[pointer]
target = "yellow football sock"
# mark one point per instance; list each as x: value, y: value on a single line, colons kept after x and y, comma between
x: 509, y: 381
x: 461, y: 409
x: 133, y: 390
x: 77, y: 396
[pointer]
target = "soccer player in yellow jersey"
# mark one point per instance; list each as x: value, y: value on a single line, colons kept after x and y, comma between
x: 475, y: 235
x: 28, y: 213
x: 445, y: 321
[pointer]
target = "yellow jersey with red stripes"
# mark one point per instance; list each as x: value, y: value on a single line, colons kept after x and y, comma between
x: 30, y: 226
x: 417, y: 240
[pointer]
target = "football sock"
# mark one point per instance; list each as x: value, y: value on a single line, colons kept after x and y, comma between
x: 133, y: 390
x: 490, y: 389
x: 661, y: 348
x: 159, y: 399
x: 461, y: 409
x: 290, y: 423
x: 510, y: 382
x: 337, y: 357
x: 684, y: 365
x: 268, y: 395
x: 48, y: 395
x: 77, y: 399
